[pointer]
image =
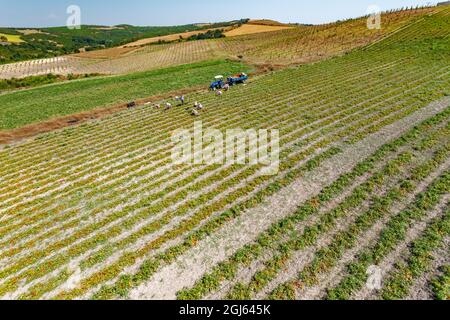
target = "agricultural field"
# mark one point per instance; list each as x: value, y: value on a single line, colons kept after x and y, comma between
x: 306, y: 44
x: 56, y: 66
x: 171, y: 38
x: 261, y: 44
x: 100, y: 211
x: 44, y: 43
x: 120, y: 60
x: 101, y: 92
x: 252, y: 28
x: 11, y: 38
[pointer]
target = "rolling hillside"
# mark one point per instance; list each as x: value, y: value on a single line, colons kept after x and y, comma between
x: 99, y: 210
x: 290, y: 45
x: 42, y: 43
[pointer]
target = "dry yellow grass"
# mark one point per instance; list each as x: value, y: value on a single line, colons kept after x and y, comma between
x: 254, y: 28
x: 109, y: 53
x: 168, y: 38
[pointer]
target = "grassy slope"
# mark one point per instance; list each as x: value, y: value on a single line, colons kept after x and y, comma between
x: 36, y: 81
x: 25, y: 107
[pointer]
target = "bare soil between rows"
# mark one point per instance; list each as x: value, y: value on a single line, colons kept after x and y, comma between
x: 189, y: 267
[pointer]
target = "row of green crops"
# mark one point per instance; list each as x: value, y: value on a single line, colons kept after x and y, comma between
x: 83, y: 95
x: 327, y: 257
x: 270, y: 239
x: 104, y: 197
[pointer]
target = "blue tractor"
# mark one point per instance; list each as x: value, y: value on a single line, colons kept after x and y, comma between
x: 217, y: 84
x: 239, y: 78
x: 231, y: 81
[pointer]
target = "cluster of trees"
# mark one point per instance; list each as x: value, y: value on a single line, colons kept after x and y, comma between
x: 211, y: 34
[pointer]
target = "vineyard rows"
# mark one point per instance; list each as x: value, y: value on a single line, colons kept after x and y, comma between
x: 97, y: 210
x: 316, y: 220
x: 290, y: 46
x: 58, y: 65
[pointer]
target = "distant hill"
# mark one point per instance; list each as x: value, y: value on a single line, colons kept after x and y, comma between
x: 265, y: 45
x: 266, y: 22
x: 37, y: 43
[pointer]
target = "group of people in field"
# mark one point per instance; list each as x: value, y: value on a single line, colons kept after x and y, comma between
x: 197, y: 107
x: 182, y: 101
x: 220, y: 92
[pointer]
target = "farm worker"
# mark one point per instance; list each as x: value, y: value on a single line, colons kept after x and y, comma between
x: 168, y: 106
x: 219, y: 93
x: 182, y: 99
x: 157, y: 106
x: 195, y: 113
x: 195, y: 104
x: 199, y: 106
x: 226, y: 87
